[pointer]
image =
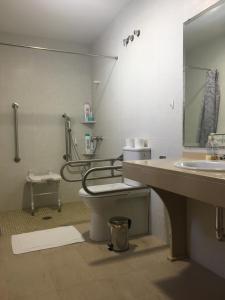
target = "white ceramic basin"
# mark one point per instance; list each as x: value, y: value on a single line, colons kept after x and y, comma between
x: 203, y: 165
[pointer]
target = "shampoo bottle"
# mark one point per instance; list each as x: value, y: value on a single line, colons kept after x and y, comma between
x: 87, y: 112
x: 87, y: 142
x: 211, y: 149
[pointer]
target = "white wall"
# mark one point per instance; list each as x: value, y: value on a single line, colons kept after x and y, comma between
x: 136, y: 92
x: 45, y: 85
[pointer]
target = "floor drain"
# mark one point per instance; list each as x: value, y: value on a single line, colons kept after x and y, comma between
x: 47, y: 218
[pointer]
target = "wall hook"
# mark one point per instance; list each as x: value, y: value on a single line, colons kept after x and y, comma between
x: 131, y: 37
x: 126, y: 42
x: 137, y: 32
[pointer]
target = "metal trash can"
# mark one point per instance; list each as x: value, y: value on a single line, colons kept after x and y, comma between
x: 119, y: 227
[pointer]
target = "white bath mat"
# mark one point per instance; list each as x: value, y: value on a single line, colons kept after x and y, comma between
x: 44, y: 239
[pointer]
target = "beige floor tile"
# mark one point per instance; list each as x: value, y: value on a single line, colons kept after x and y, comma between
x: 102, y: 290
x: 5, y: 247
x: 189, y: 281
x: 88, y: 271
x: 36, y: 296
x: 102, y: 263
x: 73, y: 293
x: 84, y: 229
x: 66, y: 267
x: 20, y: 221
x: 27, y: 274
x: 3, y: 287
x: 133, y: 286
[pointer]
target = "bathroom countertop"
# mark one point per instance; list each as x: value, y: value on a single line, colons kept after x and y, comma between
x: 206, y: 186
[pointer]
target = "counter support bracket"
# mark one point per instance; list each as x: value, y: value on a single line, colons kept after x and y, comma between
x: 177, y: 210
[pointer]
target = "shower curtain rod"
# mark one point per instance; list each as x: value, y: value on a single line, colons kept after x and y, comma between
x: 198, y: 68
x: 56, y: 50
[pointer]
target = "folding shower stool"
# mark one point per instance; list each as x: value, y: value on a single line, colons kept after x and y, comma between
x: 34, y: 180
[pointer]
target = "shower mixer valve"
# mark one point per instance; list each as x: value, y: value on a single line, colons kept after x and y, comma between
x: 97, y: 138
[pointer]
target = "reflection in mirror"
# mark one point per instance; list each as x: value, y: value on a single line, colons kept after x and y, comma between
x: 204, y: 76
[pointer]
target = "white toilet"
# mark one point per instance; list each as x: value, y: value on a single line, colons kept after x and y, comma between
x: 133, y: 204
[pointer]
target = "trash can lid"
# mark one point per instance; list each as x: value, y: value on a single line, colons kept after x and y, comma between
x: 119, y: 220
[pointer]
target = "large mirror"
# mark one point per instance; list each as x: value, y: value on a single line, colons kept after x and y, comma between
x: 204, y: 76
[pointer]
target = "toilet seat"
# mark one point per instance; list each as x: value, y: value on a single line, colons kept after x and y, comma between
x: 111, y: 187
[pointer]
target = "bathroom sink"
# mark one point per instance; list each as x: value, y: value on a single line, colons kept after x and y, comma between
x: 202, y: 165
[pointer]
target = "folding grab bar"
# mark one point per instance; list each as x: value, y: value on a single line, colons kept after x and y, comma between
x: 15, y: 107
x: 84, y: 178
x: 87, y: 163
x: 112, y: 168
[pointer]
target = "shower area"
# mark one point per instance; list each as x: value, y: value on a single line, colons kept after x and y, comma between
x: 50, y: 85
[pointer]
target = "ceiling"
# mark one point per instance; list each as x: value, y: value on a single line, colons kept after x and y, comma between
x: 69, y: 20
x: 205, y: 27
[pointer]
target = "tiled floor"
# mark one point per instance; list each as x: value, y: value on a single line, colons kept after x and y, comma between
x: 20, y: 221
x: 88, y: 271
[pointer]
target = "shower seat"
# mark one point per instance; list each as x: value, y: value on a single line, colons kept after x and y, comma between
x: 34, y: 180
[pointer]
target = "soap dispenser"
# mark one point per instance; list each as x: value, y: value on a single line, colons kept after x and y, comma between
x: 87, y: 143
x: 211, y: 149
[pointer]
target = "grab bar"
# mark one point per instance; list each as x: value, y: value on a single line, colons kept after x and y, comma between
x: 87, y: 163
x: 112, y: 168
x: 15, y: 107
x: 220, y: 233
x: 68, y: 137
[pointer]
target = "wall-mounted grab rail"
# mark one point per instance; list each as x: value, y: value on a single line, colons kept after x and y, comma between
x: 88, y: 163
x: 15, y: 107
x: 220, y: 233
x: 112, y: 168
x: 68, y: 137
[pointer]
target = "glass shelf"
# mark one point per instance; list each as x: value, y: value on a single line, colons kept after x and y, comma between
x: 88, y: 122
x: 88, y: 154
